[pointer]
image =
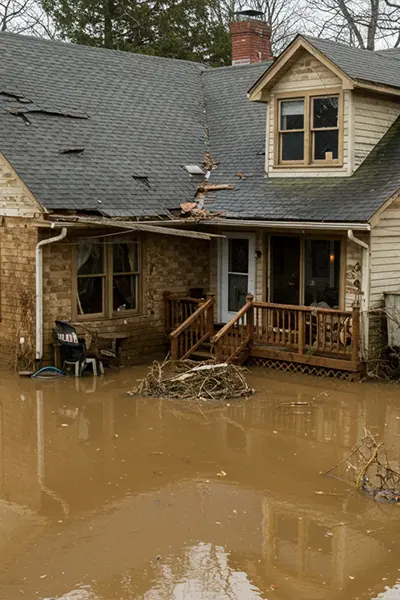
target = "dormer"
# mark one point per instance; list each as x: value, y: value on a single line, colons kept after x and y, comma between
x: 328, y: 107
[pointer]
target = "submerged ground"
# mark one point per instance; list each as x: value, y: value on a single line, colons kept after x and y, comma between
x: 108, y: 497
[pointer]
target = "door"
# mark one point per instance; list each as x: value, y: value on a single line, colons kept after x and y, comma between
x: 237, y: 272
x: 285, y: 269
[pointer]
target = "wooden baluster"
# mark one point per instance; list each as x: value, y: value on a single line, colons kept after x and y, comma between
x: 210, y: 315
x: 300, y: 328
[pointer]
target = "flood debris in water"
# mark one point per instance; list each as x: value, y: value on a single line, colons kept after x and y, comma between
x: 190, y: 380
x: 370, y: 469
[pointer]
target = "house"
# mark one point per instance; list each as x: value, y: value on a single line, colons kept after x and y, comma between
x: 126, y: 181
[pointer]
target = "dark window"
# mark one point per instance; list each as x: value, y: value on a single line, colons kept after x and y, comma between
x: 292, y: 145
x: 125, y: 276
x: 325, y: 119
x: 325, y: 112
x: 322, y: 272
x: 292, y: 130
x: 91, y: 276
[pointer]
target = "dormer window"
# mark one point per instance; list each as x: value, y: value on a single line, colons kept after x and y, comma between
x: 308, y: 132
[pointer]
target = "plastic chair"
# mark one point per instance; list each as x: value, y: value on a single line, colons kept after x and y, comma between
x: 73, y: 350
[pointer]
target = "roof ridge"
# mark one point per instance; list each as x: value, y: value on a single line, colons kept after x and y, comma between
x: 378, y: 53
x: 44, y: 41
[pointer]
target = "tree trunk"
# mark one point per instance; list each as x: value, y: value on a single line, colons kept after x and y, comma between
x: 108, y: 24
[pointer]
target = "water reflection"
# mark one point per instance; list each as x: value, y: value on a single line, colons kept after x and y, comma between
x: 154, y: 500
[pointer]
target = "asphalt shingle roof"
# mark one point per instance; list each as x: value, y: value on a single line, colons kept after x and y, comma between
x: 237, y: 129
x: 364, y: 65
x: 149, y: 116
x: 146, y: 117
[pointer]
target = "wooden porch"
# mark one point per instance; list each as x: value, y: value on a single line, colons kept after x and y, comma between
x: 305, y: 335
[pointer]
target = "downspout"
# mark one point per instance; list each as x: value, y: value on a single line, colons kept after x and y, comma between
x: 364, y: 292
x: 39, y: 289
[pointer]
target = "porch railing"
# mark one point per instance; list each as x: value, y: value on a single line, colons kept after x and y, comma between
x: 177, y: 309
x: 194, y: 331
x: 288, y: 331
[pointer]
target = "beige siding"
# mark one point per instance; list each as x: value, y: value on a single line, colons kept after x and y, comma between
x: 307, y: 73
x: 15, y: 198
x: 385, y: 254
x: 373, y: 115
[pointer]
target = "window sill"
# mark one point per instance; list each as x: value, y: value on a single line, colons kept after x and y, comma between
x: 312, y: 166
x: 99, y: 317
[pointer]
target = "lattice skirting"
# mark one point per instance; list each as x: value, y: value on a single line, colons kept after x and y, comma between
x: 289, y: 367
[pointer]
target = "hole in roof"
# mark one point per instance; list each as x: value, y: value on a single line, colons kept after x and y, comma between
x: 143, y: 179
x: 72, y: 150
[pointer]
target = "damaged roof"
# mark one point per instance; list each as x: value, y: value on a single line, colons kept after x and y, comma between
x: 109, y: 132
x: 131, y: 114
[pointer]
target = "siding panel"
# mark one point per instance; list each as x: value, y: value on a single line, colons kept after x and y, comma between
x: 373, y: 115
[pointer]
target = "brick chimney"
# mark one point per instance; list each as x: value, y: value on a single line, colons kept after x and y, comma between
x: 251, y: 38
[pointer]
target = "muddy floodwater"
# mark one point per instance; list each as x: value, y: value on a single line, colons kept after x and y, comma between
x: 109, y: 497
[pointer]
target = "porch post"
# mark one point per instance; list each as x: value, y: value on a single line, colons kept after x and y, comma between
x: 250, y: 317
x: 355, y: 335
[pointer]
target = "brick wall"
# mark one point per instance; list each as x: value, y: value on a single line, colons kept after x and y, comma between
x: 170, y: 263
x: 251, y: 42
x: 17, y: 285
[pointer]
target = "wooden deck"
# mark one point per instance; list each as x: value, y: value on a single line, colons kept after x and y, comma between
x: 305, y: 335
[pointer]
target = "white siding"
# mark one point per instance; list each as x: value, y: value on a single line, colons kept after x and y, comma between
x: 15, y: 198
x: 307, y: 73
x: 385, y: 254
x: 373, y: 115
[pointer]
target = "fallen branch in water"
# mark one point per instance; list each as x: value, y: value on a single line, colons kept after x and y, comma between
x: 373, y: 474
x: 190, y: 380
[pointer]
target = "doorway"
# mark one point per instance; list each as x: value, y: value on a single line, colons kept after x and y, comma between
x: 237, y: 272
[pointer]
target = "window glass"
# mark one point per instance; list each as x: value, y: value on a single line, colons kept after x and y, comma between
x: 238, y: 255
x: 292, y: 145
x: 322, y: 271
x: 325, y: 112
x: 292, y: 114
x: 326, y: 143
x: 90, y: 268
x: 90, y: 257
x: 125, y: 276
x: 90, y: 295
x: 125, y: 257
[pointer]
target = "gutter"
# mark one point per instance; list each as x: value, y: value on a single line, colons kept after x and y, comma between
x: 290, y: 224
x: 364, y: 292
x: 39, y: 289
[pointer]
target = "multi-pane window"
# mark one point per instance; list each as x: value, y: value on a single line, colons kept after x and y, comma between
x: 308, y: 130
x: 108, y: 277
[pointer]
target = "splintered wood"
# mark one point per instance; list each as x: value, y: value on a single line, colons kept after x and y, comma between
x: 190, y: 380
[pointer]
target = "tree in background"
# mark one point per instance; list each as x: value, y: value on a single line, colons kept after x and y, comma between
x: 367, y: 24
x: 199, y: 29
x: 25, y: 16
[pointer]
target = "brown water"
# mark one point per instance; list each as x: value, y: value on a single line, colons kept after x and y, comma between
x: 106, y: 497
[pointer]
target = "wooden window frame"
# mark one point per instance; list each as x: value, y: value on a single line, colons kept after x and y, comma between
x: 108, y: 276
x: 308, y: 160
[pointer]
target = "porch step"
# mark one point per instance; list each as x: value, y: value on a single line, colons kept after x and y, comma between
x: 201, y: 355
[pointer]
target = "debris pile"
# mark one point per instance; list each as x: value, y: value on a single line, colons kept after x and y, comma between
x: 190, y: 380
x: 369, y: 468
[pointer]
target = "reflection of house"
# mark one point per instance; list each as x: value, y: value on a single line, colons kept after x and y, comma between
x: 95, y: 165
x: 150, y: 482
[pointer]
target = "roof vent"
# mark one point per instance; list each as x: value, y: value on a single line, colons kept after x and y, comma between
x: 143, y: 179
